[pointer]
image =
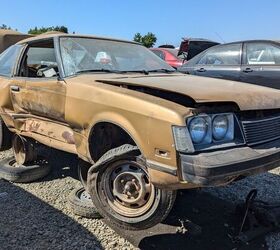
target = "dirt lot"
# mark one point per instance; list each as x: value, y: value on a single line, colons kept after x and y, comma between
x: 36, y: 216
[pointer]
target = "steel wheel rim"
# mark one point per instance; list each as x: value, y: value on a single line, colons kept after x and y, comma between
x: 84, y: 196
x: 128, y: 189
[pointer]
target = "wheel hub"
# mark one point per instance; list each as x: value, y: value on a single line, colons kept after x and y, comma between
x: 84, y: 196
x: 129, y: 189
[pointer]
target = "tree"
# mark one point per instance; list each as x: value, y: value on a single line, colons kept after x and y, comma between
x: 38, y: 31
x: 137, y: 38
x: 5, y: 27
x: 147, y: 40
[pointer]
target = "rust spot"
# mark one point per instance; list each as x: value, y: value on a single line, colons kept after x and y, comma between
x: 33, y: 126
x: 68, y: 137
x: 50, y: 133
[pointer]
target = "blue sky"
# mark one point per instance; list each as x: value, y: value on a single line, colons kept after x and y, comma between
x: 169, y: 20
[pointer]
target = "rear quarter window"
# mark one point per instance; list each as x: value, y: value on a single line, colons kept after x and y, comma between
x: 8, y: 60
x: 262, y: 54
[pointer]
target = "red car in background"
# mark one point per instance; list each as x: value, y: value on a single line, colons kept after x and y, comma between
x: 169, y: 55
x: 189, y: 48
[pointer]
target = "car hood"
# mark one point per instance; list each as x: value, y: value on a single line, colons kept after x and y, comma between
x: 202, y: 89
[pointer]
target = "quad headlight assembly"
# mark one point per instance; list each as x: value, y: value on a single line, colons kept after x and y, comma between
x: 208, y: 131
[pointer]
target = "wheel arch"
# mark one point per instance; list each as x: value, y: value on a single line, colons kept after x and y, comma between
x: 120, y: 128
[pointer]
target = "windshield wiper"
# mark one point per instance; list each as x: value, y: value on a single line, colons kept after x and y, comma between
x: 162, y: 70
x: 142, y: 71
x: 146, y: 72
x: 98, y: 70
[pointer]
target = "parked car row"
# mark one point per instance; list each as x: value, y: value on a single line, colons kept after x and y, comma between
x: 254, y: 61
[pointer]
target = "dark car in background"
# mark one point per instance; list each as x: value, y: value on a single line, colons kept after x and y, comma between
x: 189, y: 48
x: 256, y: 61
x: 170, y: 56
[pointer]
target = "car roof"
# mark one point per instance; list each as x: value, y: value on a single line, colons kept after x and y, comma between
x: 4, y: 32
x: 191, y: 39
x: 246, y: 41
x: 53, y: 34
x: 167, y: 49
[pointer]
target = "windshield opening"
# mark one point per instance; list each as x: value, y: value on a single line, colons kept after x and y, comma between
x: 90, y: 54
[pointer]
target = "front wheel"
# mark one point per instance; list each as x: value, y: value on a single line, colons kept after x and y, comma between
x: 123, y: 193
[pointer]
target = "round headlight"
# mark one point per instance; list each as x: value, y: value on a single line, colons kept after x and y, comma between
x: 198, y: 129
x: 220, y: 127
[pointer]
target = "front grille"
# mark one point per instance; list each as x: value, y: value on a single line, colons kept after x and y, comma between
x: 262, y: 130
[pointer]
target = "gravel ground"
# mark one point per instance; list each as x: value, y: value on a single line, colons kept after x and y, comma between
x: 36, y: 215
x: 267, y: 185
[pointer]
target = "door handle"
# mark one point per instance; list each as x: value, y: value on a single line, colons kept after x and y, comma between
x: 15, y: 88
x: 247, y: 70
x: 201, y: 70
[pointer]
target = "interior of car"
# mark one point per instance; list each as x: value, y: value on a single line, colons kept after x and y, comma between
x: 39, y: 60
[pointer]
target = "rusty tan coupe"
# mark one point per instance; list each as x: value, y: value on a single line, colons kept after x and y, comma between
x: 141, y: 129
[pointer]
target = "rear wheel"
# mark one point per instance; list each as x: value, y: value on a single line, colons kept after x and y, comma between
x: 5, y: 136
x: 83, y: 168
x: 123, y: 193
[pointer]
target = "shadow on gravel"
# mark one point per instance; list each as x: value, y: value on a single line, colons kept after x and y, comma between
x: 209, y: 222
x: 27, y: 222
x: 63, y: 164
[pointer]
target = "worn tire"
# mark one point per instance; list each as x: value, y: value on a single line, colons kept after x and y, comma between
x: 161, y: 206
x: 82, y: 206
x: 5, y: 136
x: 22, y: 173
x: 83, y: 168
